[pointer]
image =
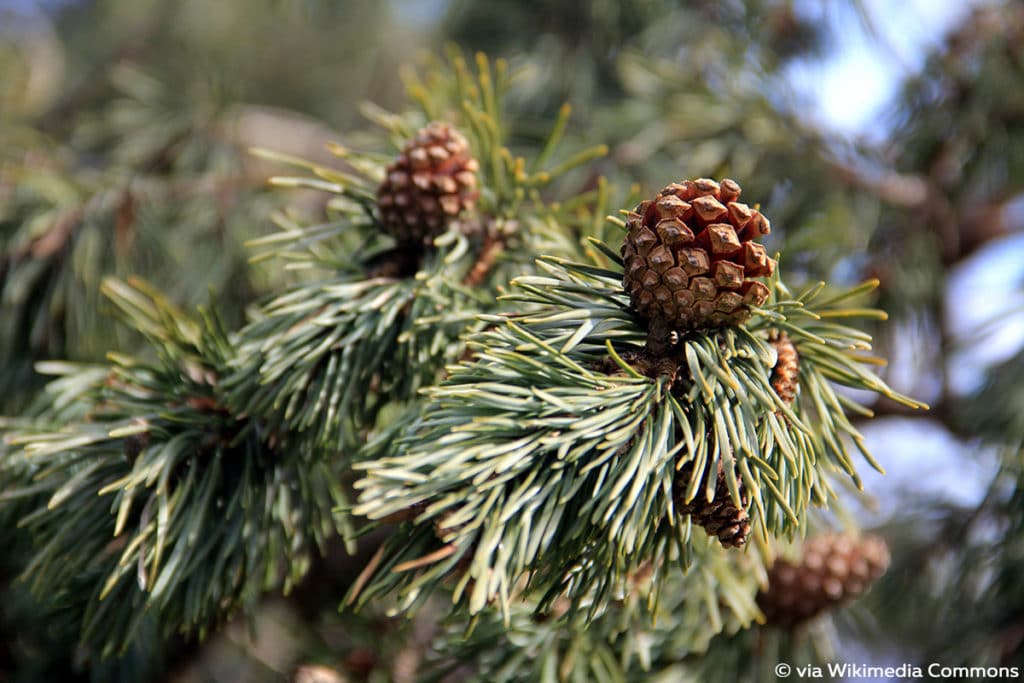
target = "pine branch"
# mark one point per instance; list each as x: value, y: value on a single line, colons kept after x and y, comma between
x: 194, y: 484
x: 541, y: 460
x: 161, y: 504
x: 396, y: 314
x: 327, y: 357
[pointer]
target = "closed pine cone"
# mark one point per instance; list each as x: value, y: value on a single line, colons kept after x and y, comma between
x: 689, y: 256
x: 833, y: 569
x: 720, y: 517
x: 785, y: 375
x: 431, y: 182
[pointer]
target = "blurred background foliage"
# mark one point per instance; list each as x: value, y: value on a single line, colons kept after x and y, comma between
x: 124, y: 130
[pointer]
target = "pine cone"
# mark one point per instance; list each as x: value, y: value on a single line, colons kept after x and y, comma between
x: 720, y: 517
x: 833, y: 569
x: 689, y: 256
x: 431, y: 182
x: 785, y: 375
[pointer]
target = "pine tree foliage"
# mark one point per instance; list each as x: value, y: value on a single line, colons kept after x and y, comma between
x: 633, y: 640
x: 68, y: 221
x: 673, y: 647
x: 391, y: 316
x: 160, y: 504
x: 535, y: 462
x: 678, y: 639
x: 120, y: 156
x: 550, y: 426
x: 481, y: 416
x: 224, y: 431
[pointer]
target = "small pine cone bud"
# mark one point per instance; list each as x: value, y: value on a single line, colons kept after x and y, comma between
x: 720, y: 517
x: 833, y: 569
x: 431, y: 182
x: 689, y: 256
x: 785, y: 375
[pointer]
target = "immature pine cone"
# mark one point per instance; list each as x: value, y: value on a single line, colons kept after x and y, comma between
x: 785, y: 374
x: 833, y: 569
x: 431, y: 182
x: 689, y: 256
x: 720, y: 517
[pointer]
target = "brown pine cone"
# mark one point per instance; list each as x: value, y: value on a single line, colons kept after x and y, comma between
x: 689, y: 256
x: 720, y: 517
x: 833, y: 569
x: 431, y: 182
x: 785, y: 375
